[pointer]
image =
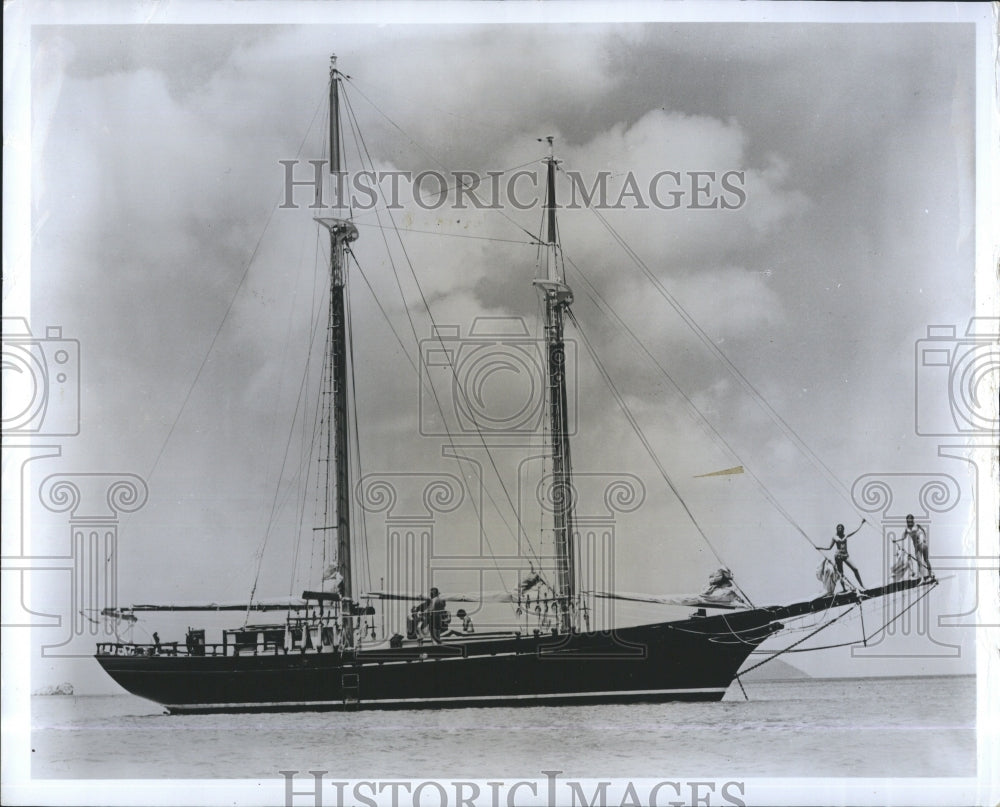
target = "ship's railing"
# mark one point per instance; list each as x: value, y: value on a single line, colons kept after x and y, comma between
x: 132, y: 649
x: 179, y: 649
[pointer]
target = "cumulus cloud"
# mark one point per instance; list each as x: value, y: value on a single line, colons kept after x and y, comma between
x: 196, y: 301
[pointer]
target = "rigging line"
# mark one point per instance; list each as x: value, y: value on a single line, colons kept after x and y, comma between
x: 275, y: 506
x: 445, y: 188
x: 643, y: 439
x: 755, y: 394
x: 385, y: 314
x: 274, y: 501
x: 229, y: 308
x: 471, y: 190
x: 900, y: 544
x: 539, y: 333
x: 454, y: 235
x: 435, y: 159
x: 363, y: 150
x: 310, y: 439
x: 861, y: 613
x: 687, y: 400
x: 307, y: 440
x: 411, y: 140
x: 904, y: 611
x: 451, y: 366
x: 881, y: 629
x: 547, y: 460
x: 421, y: 381
x: 491, y: 126
x: 416, y: 371
x: 396, y: 125
x: 315, y: 438
x: 795, y: 644
x: 358, y: 140
x: 842, y: 578
x: 357, y: 439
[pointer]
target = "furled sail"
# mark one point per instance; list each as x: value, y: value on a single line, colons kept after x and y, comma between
x: 272, y: 604
x: 480, y: 596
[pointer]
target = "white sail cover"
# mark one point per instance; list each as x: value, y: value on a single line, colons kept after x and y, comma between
x: 827, y: 575
x: 720, y: 593
x: 902, y: 567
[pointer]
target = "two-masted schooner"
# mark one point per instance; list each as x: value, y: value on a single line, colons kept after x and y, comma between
x: 323, y: 656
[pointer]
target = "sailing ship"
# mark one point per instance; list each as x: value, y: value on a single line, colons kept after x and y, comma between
x: 326, y: 654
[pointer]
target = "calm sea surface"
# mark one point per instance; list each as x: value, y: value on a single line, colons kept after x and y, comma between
x: 876, y: 727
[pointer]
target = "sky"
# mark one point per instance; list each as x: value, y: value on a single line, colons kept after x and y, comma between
x: 157, y: 242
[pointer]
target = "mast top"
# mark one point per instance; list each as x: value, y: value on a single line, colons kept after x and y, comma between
x: 551, y: 232
x: 550, y: 139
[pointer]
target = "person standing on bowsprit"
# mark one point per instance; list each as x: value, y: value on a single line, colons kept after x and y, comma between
x: 918, y: 536
x: 840, y: 541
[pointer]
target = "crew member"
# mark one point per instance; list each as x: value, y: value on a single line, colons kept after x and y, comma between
x: 918, y: 535
x: 429, y: 614
x: 840, y: 541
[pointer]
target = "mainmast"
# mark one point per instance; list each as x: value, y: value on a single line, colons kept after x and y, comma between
x: 342, y: 232
x: 558, y: 298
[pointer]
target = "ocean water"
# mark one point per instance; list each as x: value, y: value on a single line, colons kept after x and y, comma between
x: 899, y: 727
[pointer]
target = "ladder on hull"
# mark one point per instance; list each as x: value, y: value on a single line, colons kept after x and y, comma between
x: 350, y: 679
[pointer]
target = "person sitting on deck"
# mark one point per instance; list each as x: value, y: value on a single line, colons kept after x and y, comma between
x: 429, y: 616
x: 467, y: 626
x: 840, y: 541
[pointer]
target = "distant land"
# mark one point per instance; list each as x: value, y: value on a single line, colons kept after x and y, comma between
x: 776, y: 670
x: 56, y: 689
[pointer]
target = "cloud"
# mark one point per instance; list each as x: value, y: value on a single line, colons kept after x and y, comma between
x: 158, y: 175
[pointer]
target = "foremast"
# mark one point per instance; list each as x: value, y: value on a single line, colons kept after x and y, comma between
x: 558, y: 297
x: 336, y: 457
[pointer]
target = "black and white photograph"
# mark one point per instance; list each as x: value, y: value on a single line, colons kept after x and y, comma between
x: 461, y: 404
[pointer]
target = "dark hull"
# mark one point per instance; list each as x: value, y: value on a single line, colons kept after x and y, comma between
x: 692, y: 659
